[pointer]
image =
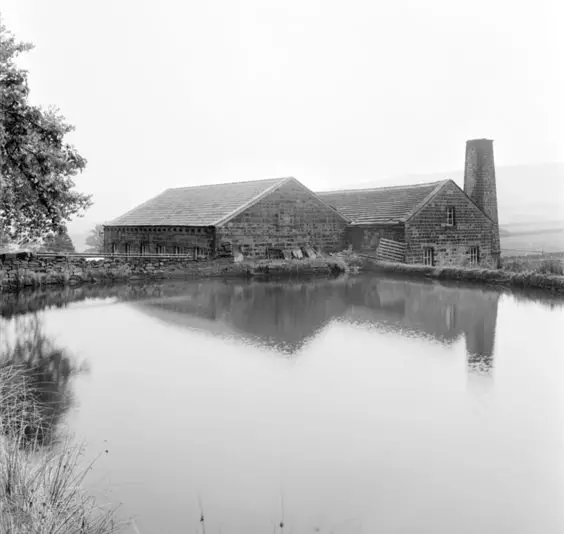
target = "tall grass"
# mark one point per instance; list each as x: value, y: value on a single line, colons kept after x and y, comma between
x: 41, y: 487
x: 542, y: 265
x: 525, y: 279
x: 41, y: 474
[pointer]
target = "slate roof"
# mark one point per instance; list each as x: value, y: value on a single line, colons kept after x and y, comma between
x: 201, y: 205
x: 383, y: 205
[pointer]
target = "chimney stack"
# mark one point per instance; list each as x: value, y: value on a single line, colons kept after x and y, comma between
x: 479, y: 183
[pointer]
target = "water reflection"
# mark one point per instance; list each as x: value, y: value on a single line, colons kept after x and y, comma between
x: 371, y: 420
x: 284, y: 316
x: 32, y: 301
x: 37, y: 384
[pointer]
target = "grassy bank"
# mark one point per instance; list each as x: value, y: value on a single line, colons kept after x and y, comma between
x: 40, y: 480
x: 502, y: 277
x: 541, y: 264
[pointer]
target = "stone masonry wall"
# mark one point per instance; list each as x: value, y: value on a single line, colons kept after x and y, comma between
x: 289, y: 217
x: 183, y: 239
x: 451, y: 244
x: 25, y: 270
x: 366, y: 238
x: 480, y: 182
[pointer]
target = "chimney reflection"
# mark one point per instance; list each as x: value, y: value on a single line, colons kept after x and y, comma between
x: 480, y: 337
x: 445, y: 313
x: 286, y: 315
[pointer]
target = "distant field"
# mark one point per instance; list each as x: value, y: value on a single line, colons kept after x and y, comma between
x: 517, y: 244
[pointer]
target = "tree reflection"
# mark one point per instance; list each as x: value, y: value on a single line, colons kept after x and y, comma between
x: 33, y: 301
x: 36, y: 392
x: 286, y: 315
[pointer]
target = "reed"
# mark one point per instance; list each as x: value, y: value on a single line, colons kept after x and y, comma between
x: 541, y: 265
x: 41, y: 486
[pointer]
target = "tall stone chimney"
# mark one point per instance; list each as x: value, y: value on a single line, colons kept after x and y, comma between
x: 479, y: 183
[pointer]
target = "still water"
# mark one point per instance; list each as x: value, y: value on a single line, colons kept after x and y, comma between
x: 350, y: 405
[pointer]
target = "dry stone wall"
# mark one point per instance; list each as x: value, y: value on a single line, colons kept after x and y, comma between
x: 26, y: 270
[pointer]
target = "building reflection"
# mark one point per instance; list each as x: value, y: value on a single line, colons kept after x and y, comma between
x: 285, y: 316
x: 430, y: 310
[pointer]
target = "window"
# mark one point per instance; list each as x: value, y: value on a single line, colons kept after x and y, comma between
x: 450, y: 219
x: 160, y: 249
x: 127, y: 248
x: 429, y: 256
x: 284, y: 219
x: 474, y: 255
x: 143, y: 250
x: 114, y: 248
x: 177, y: 251
x: 200, y: 253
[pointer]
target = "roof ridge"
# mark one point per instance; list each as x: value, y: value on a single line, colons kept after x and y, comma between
x: 277, y: 183
x: 409, y: 186
x: 230, y: 183
x: 417, y: 208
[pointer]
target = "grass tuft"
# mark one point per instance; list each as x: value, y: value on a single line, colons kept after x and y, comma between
x: 41, y: 480
x: 542, y: 265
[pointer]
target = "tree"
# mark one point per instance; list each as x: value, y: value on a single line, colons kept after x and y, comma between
x: 37, y: 167
x: 95, y: 240
x: 60, y: 242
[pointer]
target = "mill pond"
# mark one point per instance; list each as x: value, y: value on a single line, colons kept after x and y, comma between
x: 357, y: 404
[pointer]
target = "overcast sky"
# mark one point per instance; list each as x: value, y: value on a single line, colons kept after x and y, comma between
x: 174, y: 93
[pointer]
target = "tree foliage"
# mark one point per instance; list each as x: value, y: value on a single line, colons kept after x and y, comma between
x: 60, y: 242
x: 95, y: 239
x: 37, y: 167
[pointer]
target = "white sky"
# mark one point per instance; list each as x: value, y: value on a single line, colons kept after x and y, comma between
x: 175, y: 93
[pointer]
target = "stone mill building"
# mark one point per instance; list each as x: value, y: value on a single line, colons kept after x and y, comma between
x: 432, y: 223
x: 258, y: 218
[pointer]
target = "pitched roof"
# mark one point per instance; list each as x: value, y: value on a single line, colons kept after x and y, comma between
x: 201, y: 205
x: 381, y: 205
